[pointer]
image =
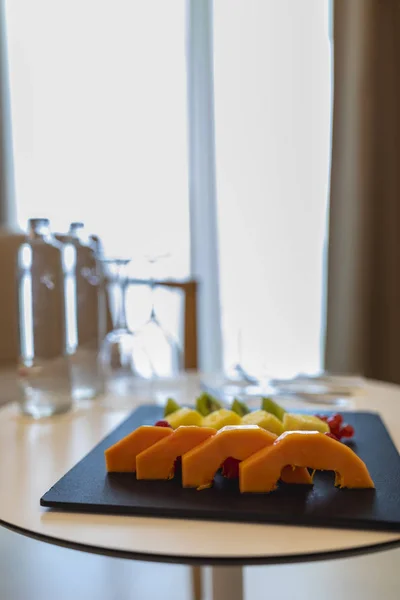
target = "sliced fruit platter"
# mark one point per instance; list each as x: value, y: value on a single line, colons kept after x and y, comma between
x: 259, y: 448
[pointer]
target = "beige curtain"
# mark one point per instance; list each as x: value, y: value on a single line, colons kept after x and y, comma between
x: 363, y: 295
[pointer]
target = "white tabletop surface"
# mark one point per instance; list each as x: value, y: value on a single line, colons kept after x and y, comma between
x: 36, y: 454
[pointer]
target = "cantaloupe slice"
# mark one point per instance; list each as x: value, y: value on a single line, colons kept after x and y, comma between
x: 261, y: 471
x: 238, y: 441
x: 297, y: 475
x: 121, y: 457
x: 157, y: 462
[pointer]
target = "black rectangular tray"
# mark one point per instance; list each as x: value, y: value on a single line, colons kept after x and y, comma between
x: 87, y: 487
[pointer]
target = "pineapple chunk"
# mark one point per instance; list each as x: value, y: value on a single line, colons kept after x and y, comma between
x: 221, y: 418
x: 273, y: 407
x: 184, y: 416
x: 293, y: 422
x: 265, y: 420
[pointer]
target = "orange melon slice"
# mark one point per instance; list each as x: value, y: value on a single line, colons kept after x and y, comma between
x: 157, y: 462
x: 121, y: 457
x: 261, y: 471
x: 297, y: 475
x: 238, y: 441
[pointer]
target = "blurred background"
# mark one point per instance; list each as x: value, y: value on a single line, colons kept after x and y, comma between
x: 248, y: 148
x: 106, y: 130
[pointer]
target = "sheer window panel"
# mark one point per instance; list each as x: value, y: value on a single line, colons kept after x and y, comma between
x: 99, y: 112
x: 272, y: 63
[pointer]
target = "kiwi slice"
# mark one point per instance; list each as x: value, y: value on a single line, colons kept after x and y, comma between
x: 273, y: 408
x: 206, y: 404
x: 240, y: 408
x: 171, y: 407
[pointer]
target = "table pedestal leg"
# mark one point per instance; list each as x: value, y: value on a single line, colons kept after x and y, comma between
x: 197, y: 583
x: 227, y: 583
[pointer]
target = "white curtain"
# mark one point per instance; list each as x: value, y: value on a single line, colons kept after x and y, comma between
x: 273, y: 115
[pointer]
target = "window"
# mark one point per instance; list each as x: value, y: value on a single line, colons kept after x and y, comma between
x: 99, y: 111
x: 100, y: 101
x: 272, y: 72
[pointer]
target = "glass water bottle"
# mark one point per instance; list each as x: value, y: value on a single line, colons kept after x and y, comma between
x: 45, y: 322
x: 90, y: 314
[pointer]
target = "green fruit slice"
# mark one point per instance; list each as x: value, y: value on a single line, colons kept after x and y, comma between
x: 171, y: 407
x: 206, y: 404
x: 273, y: 408
x: 240, y: 407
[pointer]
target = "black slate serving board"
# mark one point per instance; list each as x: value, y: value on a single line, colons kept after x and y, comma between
x: 88, y: 488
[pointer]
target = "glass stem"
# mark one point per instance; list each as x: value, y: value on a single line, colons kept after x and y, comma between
x: 240, y: 347
x: 121, y: 322
x: 153, y: 308
x: 152, y: 290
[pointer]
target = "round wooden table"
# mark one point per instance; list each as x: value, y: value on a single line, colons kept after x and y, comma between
x: 35, y: 454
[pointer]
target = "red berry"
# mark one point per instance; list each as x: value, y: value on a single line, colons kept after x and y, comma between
x: 162, y: 423
x: 336, y: 432
x: 335, y: 421
x: 230, y: 468
x: 331, y: 435
x: 347, y: 431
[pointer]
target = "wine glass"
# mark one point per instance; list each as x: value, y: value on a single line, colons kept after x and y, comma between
x: 236, y: 374
x: 234, y: 381
x: 116, y: 354
x: 157, y: 343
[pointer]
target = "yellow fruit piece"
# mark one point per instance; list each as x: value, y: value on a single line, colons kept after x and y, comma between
x: 294, y: 422
x: 221, y: 418
x: 265, y: 420
x: 184, y: 416
x: 320, y: 425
